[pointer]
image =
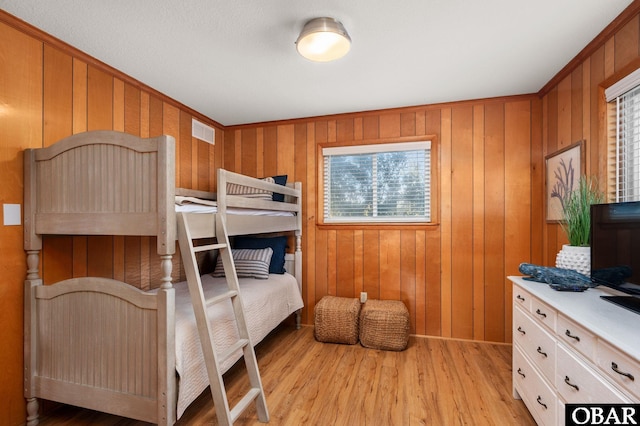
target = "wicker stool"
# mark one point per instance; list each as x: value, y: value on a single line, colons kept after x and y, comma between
x: 336, y: 320
x: 384, y: 324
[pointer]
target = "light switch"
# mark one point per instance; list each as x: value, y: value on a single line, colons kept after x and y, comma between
x: 11, y: 214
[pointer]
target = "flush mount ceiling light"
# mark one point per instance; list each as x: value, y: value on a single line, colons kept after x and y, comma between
x: 323, y: 40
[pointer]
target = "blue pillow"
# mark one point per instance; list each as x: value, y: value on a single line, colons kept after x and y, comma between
x: 280, y: 180
x: 277, y: 244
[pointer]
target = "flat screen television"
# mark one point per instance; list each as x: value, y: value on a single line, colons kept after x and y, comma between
x: 615, y: 251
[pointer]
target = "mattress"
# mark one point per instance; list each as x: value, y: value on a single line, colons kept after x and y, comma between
x: 194, y: 205
x: 267, y: 303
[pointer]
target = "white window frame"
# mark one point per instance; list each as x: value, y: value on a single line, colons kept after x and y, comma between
x: 623, y: 153
x: 374, y: 149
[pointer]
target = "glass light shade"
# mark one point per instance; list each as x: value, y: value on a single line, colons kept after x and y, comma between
x: 323, y: 40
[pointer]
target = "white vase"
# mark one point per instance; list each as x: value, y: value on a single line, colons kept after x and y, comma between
x: 576, y: 258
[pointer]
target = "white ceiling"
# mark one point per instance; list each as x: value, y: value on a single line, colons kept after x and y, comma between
x: 235, y: 60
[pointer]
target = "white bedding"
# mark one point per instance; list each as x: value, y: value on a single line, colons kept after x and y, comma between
x: 196, y: 205
x: 266, y: 304
x: 197, y: 208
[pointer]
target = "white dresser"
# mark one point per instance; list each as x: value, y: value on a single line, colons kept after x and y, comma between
x: 572, y: 347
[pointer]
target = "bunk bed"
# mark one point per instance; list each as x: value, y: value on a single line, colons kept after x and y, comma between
x: 106, y: 345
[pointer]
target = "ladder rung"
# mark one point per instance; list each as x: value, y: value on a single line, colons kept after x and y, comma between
x: 224, y: 296
x: 244, y: 403
x: 231, y: 350
x: 209, y: 247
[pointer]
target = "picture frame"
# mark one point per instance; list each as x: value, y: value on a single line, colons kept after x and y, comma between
x: 563, y: 170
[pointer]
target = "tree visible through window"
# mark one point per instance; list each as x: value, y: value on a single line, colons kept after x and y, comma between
x: 377, y: 183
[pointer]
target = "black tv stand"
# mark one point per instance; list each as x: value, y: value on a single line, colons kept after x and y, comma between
x: 631, y: 303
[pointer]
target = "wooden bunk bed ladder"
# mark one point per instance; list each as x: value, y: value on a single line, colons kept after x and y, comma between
x: 192, y: 227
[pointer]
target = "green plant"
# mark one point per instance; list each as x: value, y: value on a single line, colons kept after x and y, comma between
x: 577, y: 211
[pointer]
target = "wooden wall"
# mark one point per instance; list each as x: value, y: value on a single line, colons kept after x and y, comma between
x: 573, y: 103
x: 450, y: 275
x: 48, y: 91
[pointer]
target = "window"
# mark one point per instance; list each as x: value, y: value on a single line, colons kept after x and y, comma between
x: 378, y: 183
x: 624, y: 140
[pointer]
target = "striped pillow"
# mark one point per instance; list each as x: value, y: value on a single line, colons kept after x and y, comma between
x: 250, y: 263
x: 249, y: 192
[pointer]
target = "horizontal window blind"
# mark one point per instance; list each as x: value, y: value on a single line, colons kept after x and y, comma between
x: 627, y: 160
x: 378, y: 183
x: 612, y: 152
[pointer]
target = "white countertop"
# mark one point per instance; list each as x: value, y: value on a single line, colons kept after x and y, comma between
x: 615, y: 324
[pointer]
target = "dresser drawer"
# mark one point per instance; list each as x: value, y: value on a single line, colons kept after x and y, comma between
x: 522, y: 298
x: 575, y: 336
x: 543, y: 313
x: 536, y: 393
x: 535, y: 342
x: 627, y: 375
x: 578, y: 383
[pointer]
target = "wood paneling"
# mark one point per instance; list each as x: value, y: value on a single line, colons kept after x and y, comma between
x: 58, y: 95
x: 446, y: 218
x: 185, y: 148
x: 518, y: 196
x: 345, y: 277
x: 80, y: 71
x: 574, y: 105
x: 332, y: 256
x: 48, y: 91
x: 478, y: 221
x: 537, y: 184
x: 451, y: 275
x: 462, y: 222
x: 495, y: 214
x: 626, y: 43
x: 21, y: 110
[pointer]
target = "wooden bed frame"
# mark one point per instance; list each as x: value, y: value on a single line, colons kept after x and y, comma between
x: 101, y: 343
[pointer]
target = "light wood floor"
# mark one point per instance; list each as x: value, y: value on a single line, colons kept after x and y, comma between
x: 433, y: 382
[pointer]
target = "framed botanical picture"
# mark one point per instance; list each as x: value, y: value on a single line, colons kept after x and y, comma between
x: 563, y: 170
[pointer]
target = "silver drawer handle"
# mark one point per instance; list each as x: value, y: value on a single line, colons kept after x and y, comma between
x: 568, y: 381
x: 542, y: 314
x: 521, y: 373
x: 539, y: 350
x: 614, y: 367
x: 520, y: 298
x: 568, y: 333
x: 521, y: 330
x: 540, y: 402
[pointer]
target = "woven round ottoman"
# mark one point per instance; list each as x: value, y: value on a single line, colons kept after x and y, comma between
x: 384, y: 324
x: 336, y: 320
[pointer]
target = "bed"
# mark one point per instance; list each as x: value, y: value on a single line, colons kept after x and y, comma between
x: 104, y: 344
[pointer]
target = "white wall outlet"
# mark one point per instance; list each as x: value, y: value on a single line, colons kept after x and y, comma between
x: 363, y: 296
x: 11, y: 214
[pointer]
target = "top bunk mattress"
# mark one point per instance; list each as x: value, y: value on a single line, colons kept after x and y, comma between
x: 196, y: 205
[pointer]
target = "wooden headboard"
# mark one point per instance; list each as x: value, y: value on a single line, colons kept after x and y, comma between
x: 101, y: 183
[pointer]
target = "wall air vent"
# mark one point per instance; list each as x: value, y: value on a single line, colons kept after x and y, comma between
x: 203, y: 132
